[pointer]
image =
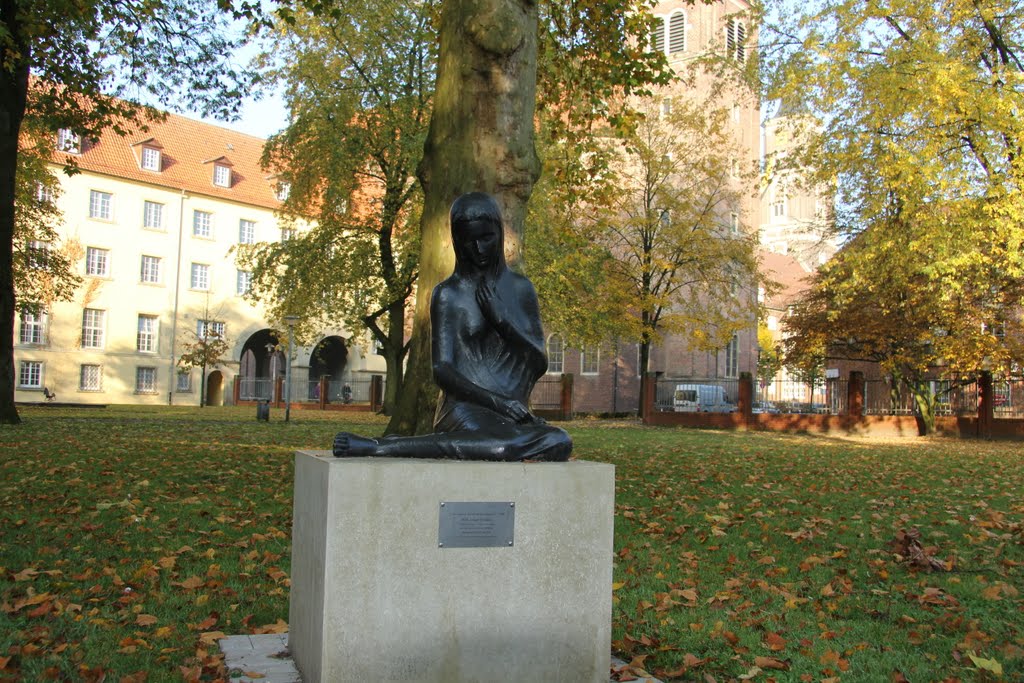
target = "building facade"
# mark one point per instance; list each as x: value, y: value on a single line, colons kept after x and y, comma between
x: 151, y: 220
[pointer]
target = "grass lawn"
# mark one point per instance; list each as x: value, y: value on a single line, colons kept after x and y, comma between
x: 130, y: 538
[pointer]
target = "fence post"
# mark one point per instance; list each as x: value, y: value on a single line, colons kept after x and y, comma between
x: 324, y: 386
x: 744, y: 397
x: 236, y: 390
x: 376, y: 393
x: 278, y: 393
x: 855, y: 394
x: 648, y: 385
x: 565, y: 407
x: 986, y: 405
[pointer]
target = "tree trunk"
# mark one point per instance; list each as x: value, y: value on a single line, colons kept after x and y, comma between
x: 394, y: 354
x: 645, y: 361
x: 924, y: 409
x: 202, y: 387
x: 13, y: 96
x: 480, y: 138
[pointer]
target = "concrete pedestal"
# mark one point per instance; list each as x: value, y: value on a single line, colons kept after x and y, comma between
x: 373, y: 597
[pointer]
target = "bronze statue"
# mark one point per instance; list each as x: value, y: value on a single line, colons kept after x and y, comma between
x: 487, y: 351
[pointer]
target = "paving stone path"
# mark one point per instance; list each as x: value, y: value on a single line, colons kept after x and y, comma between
x: 267, y: 657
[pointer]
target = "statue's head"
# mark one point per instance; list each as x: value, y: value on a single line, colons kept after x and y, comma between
x: 477, y: 234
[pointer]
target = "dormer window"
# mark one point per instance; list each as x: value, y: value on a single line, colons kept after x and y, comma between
x: 68, y: 141
x: 151, y: 160
x: 283, y: 190
x: 221, y: 175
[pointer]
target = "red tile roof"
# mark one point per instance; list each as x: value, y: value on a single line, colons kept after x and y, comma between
x: 187, y: 147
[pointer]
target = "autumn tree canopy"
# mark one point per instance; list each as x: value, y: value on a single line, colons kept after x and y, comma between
x: 358, y: 85
x: 660, y: 247
x: 499, y: 62
x: 921, y: 135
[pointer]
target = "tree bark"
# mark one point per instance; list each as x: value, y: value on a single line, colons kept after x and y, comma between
x: 924, y: 413
x: 13, y: 97
x: 394, y: 354
x: 480, y: 139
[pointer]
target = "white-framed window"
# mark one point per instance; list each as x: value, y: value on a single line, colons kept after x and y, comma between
x: 202, y: 223
x: 556, y: 354
x: 93, y: 323
x: 149, y: 272
x: 44, y: 193
x: 590, y: 357
x: 38, y: 254
x: 779, y: 206
x: 735, y: 113
x: 100, y: 205
x: 658, y: 35
x: 152, y: 215
x: 732, y: 357
x: 145, y: 380
x: 666, y: 107
x: 677, y: 32
x: 287, y: 234
x: 246, y: 231
x: 221, y: 175
x: 69, y: 141
x: 735, y: 40
x: 146, y: 339
x: 734, y: 223
x: 30, y: 374
x: 244, y: 282
x: 282, y: 190
x: 209, y: 328
x: 183, y: 385
x: 90, y: 378
x: 734, y: 168
x: 33, y: 328
x: 151, y: 159
x: 200, y: 276
x: 97, y: 261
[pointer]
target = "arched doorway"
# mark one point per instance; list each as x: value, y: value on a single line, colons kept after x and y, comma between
x: 215, y: 389
x: 328, y: 359
x: 261, y: 363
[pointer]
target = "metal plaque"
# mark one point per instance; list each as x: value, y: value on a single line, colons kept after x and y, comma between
x: 476, y: 525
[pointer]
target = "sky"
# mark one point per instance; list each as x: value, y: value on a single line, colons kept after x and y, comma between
x: 261, y: 118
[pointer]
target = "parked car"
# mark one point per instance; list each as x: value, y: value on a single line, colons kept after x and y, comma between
x: 766, y: 408
x: 701, y: 398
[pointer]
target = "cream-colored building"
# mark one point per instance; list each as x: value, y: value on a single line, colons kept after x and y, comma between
x: 151, y: 220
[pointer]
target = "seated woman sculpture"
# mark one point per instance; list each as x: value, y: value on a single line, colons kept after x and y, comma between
x: 487, y: 352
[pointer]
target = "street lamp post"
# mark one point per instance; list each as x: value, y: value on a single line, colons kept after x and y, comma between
x: 290, y: 320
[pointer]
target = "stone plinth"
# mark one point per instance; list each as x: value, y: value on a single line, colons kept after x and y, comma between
x: 373, y: 597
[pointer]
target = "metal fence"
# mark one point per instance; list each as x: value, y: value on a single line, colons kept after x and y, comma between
x: 547, y: 393
x: 350, y: 391
x: 1008, y: 398
x: 306, y: 391
x: 884, y: 397
x: 696, y: 394
x: 256, y: 389
x: 795, y: 397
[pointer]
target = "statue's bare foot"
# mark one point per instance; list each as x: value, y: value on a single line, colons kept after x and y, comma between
x: 348, y: 445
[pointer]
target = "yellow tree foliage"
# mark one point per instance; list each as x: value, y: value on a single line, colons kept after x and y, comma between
x: 920, y: 132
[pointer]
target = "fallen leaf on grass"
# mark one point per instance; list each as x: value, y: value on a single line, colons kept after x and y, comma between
x: 145, y: 620
x: 771, y: 663
x: 211, y: 637
x: 774, y: 641
x: 907, y: 547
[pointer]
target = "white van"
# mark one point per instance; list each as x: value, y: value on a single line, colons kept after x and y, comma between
x: 701, y: 398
